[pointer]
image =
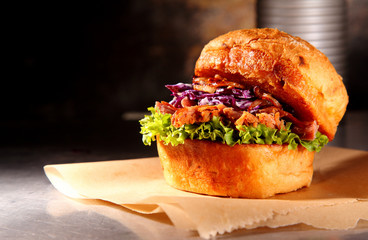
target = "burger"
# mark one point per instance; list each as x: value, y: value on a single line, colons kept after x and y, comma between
x: 260, y: 105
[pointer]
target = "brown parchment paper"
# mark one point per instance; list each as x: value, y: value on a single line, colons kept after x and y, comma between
x: 336, y: 199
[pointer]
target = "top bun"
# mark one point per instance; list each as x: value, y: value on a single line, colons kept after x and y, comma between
x: 289, y: 68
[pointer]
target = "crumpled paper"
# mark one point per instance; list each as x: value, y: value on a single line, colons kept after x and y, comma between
x: 336, y: 199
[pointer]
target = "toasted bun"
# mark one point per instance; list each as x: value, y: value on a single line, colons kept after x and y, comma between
x: 289, y: 68
x: 249, y: 170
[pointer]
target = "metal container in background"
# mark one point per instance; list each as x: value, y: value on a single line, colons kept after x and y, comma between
x: 320, y: 22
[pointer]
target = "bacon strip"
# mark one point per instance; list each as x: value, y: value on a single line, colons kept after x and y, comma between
x: 269, y: 98
x: 210, y: 84
x: 264, y: 100
x: 305, y: 130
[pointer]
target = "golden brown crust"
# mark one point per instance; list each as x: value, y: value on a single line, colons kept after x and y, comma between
x: 248, y: 170
x: 289, y: 68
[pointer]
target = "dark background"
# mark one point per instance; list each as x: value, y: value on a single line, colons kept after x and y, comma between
x: 75, y: 71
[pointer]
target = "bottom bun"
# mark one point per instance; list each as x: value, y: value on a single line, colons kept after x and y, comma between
x: 248, y: 170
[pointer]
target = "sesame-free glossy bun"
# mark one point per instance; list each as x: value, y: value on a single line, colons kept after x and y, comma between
x: 289, y: 68
x: 248, y: 170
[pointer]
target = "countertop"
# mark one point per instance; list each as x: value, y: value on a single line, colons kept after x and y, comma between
x: 31, y: 208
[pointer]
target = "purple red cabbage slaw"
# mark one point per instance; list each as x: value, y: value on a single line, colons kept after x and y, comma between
x: 239, y: 99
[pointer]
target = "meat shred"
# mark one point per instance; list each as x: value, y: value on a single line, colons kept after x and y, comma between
x: 270, y: 116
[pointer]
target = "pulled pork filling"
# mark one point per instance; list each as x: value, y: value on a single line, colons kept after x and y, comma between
x: 231, y: 104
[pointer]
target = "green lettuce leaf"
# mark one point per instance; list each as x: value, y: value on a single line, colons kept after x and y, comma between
x: 159, y: 125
